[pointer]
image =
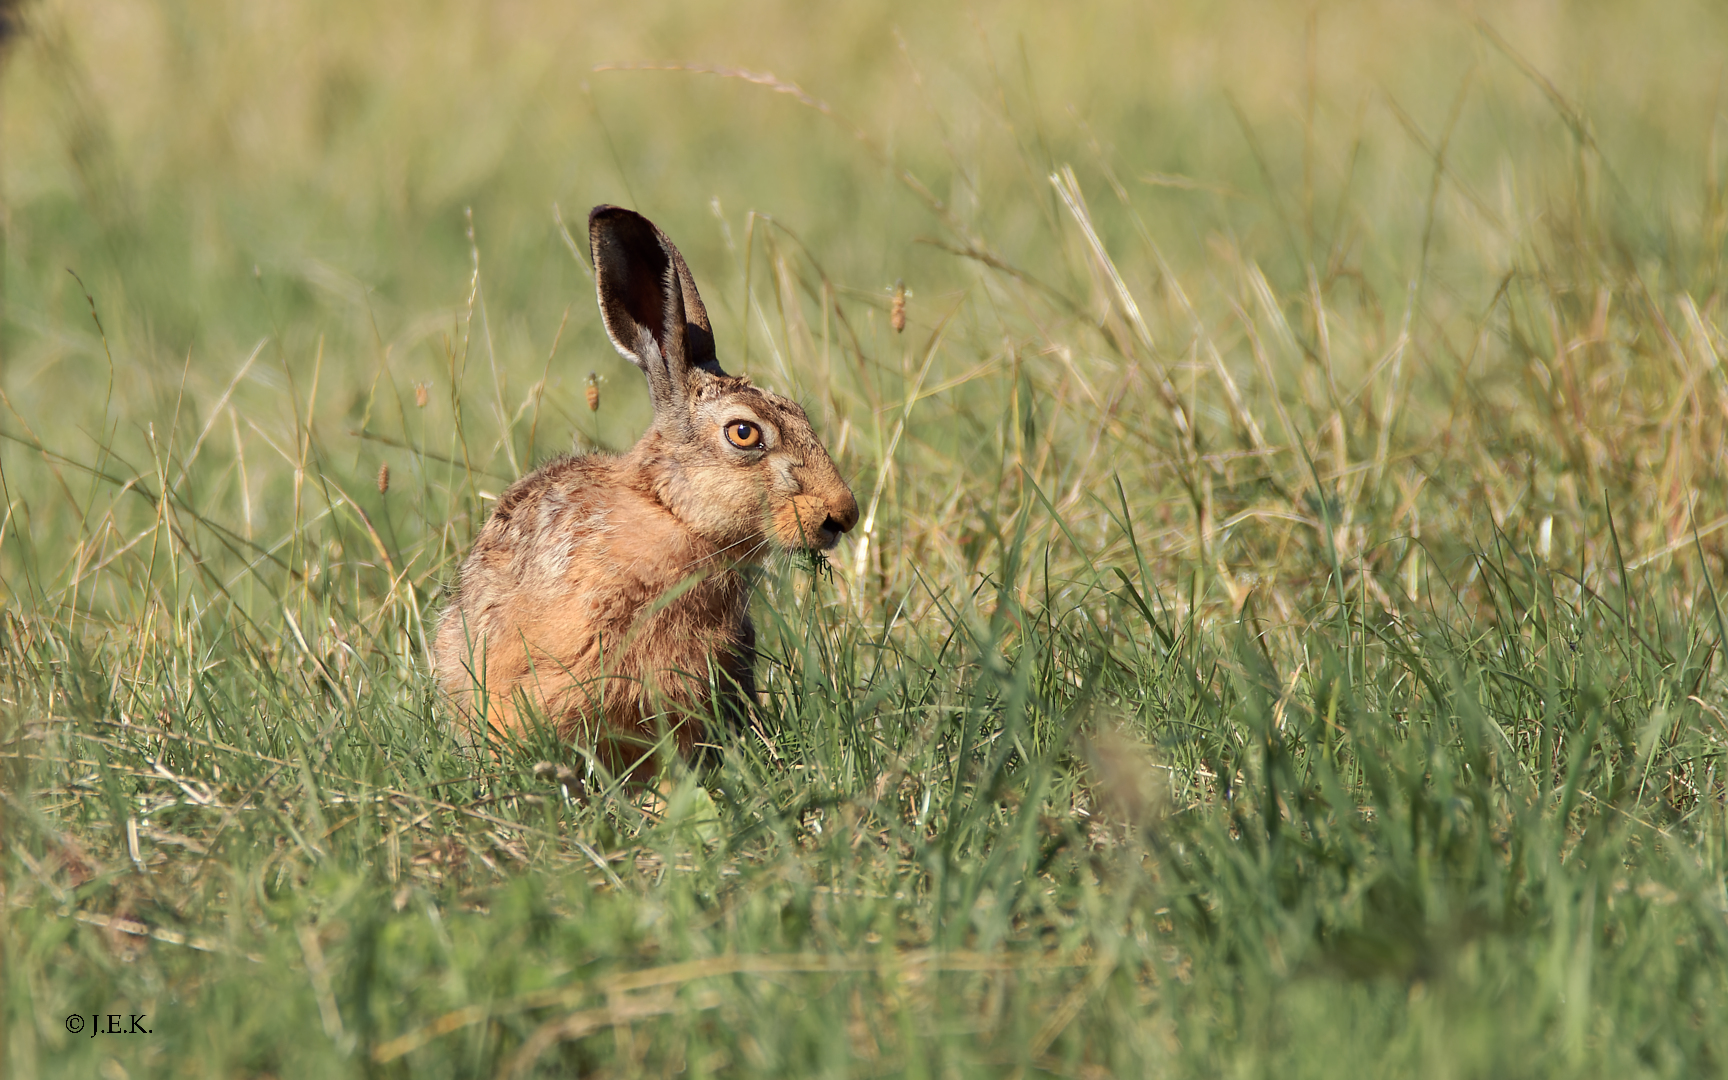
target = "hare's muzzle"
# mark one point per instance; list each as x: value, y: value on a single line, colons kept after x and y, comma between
x: 842, y: 515
x: 817, y: 519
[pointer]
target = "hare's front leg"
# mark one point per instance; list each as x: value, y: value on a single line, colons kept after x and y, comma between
x: 737, y: 687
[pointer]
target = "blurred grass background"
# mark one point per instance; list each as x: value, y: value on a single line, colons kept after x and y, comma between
x: 1283, y: 639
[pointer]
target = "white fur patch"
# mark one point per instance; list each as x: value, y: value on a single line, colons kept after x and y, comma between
x: 647, y: 349
x: 785, y: 480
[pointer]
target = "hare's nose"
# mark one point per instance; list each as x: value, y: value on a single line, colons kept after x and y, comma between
x: 843, y: 515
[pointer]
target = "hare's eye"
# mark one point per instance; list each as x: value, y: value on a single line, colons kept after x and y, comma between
x: 743, y: 434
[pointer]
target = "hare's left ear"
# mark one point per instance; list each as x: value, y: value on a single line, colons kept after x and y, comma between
x: 649, y: 304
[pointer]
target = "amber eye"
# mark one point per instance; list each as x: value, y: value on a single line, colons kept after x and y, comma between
x: 744, y: 435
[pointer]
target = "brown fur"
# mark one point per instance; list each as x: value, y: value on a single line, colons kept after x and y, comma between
x: 606, y: 592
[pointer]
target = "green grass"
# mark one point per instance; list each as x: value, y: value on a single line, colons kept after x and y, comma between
x: 1285, y: 640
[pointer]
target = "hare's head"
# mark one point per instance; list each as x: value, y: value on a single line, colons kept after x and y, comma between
x: 736, y: 464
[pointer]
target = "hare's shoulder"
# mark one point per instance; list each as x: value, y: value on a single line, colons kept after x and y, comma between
x: 577, y: 517
x: 555, y: 499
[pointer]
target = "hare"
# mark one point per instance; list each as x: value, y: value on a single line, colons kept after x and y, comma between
x: 606, y: 593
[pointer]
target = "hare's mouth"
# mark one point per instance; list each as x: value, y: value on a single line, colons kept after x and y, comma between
x: 828, y: 535
x: 822, y: 537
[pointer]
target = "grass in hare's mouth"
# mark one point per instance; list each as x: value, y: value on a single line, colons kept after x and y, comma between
x: 1282, y: 638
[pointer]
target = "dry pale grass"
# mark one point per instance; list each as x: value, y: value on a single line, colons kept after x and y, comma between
x: 1283, y: 635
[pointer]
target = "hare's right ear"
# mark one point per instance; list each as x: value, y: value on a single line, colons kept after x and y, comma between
x: 649, y: 304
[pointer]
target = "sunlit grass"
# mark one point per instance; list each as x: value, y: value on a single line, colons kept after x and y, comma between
x: 1282, y: 637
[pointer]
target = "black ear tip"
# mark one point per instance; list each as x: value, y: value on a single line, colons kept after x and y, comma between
x: 625, y: 232
x: 607, y: 210
x: 617, y: 226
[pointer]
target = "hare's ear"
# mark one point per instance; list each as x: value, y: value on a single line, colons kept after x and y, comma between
x: 649, y: 303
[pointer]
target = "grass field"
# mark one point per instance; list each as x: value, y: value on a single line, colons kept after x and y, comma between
x: 1284, y: 639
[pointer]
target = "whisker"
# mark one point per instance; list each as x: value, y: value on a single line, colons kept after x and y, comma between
x: 760, y: 542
